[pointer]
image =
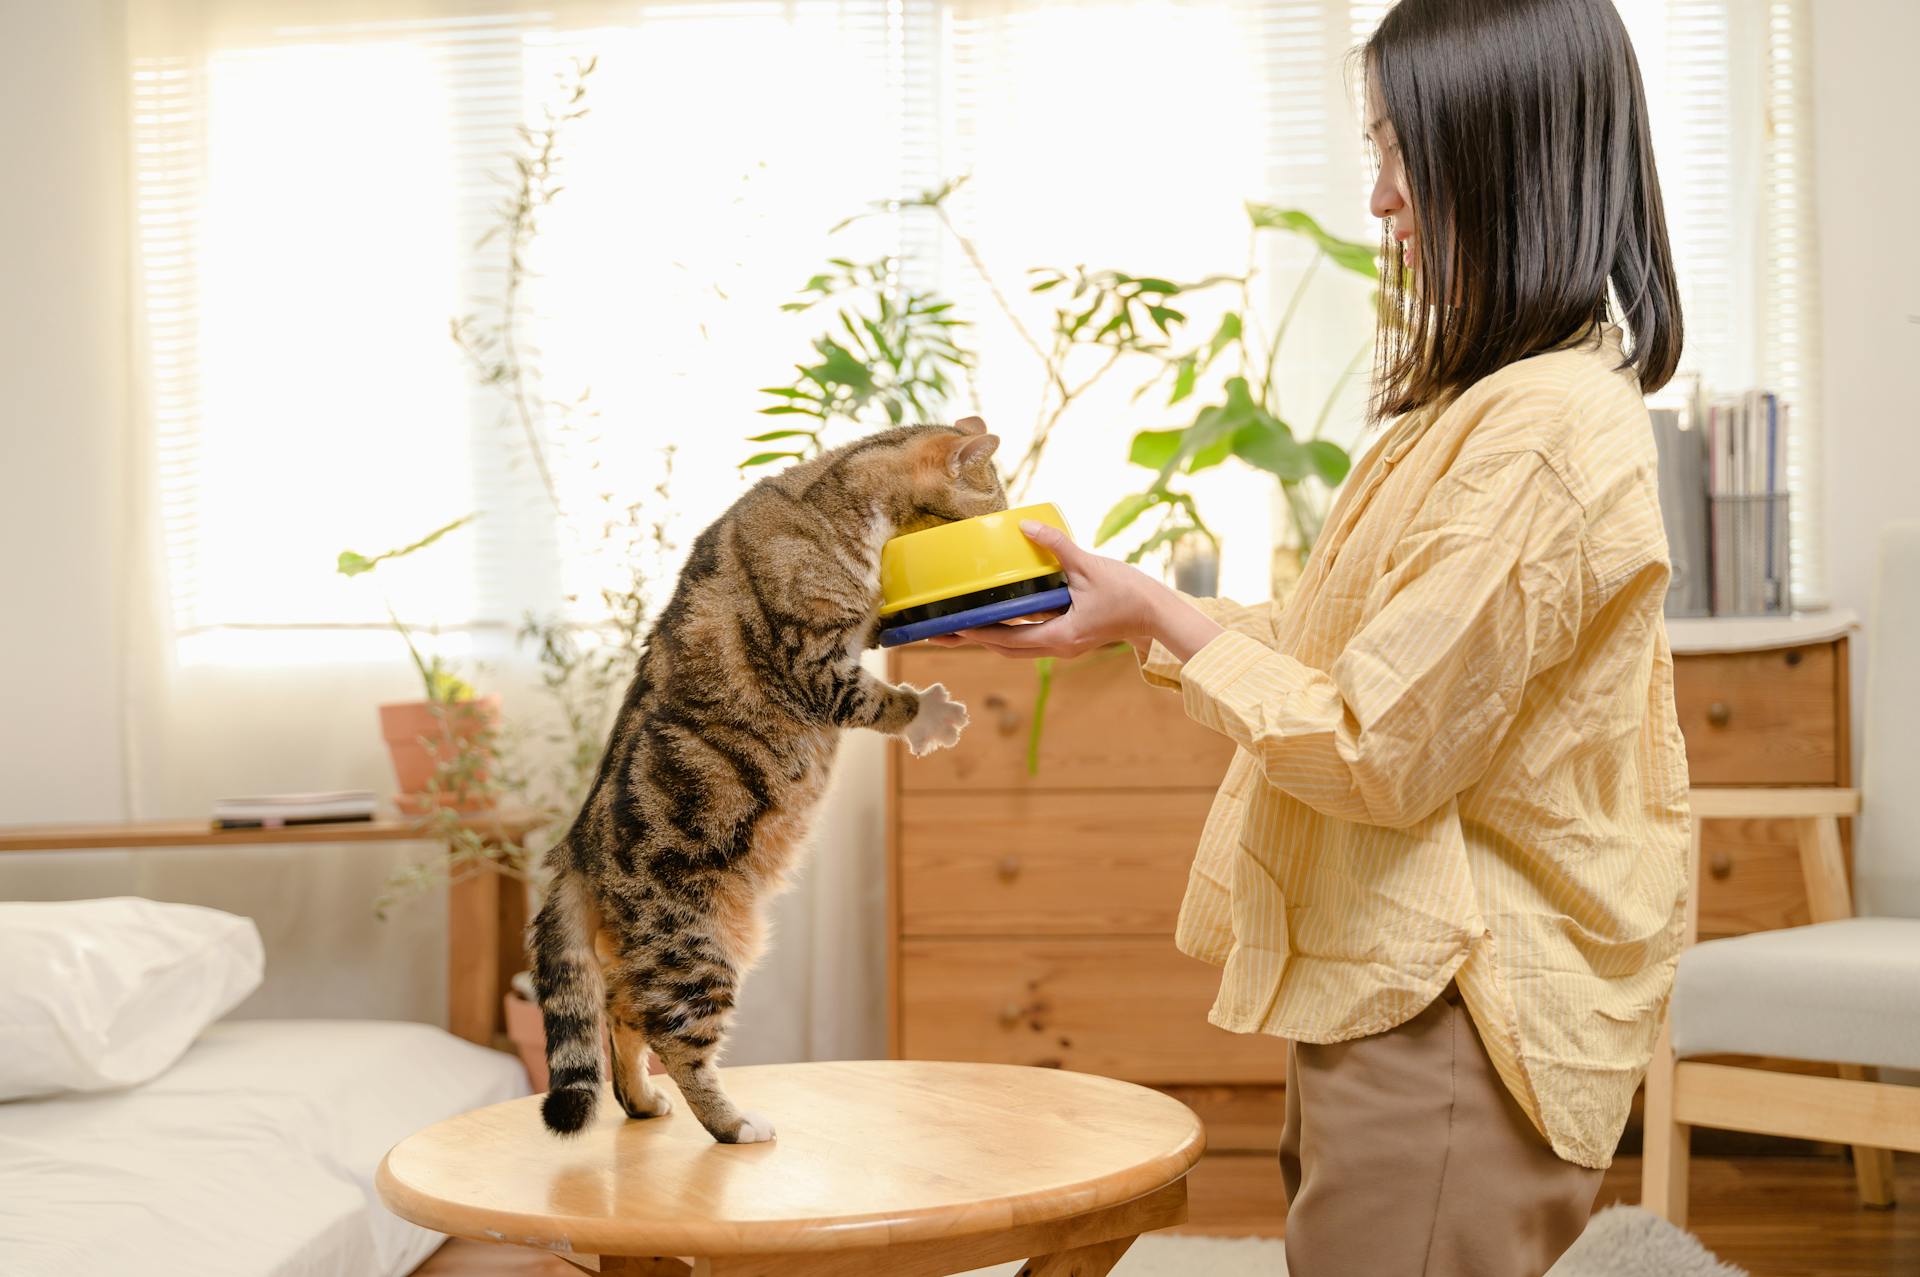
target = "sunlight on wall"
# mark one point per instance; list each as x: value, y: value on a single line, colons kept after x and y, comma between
x: 331, y: 405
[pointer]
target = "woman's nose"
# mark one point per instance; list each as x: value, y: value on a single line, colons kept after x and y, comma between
x: 1385, y: 201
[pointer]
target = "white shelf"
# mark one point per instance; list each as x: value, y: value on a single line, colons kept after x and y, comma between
x: 1695, y: 635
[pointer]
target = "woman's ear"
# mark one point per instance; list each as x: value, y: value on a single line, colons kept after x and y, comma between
x: 976, y: 448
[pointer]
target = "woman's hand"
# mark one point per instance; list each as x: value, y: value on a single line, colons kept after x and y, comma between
x: 1112, y: 602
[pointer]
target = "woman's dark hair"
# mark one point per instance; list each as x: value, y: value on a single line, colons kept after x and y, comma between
x: 1522, y: 126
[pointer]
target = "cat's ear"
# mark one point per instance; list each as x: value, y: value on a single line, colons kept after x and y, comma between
x: 970, y: 426
x: 976, y: 448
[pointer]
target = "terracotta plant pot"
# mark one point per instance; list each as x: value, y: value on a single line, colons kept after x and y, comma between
x: 528, y: 1031
x: 417, y: 733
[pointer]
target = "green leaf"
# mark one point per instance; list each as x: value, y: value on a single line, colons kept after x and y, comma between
x: 1154, y: 448
x: 781, y: 410
x: 1211, y: 455
x: 1183, y: 380
x: 1152, y: 285
x: 1207, y: 424
x: 772, y: 435
x: 351, y: 564
x: 1164, y: 315
x: 1240, y: 407
x: 1123, y: 513
x: 1170, y: 533
x: 1043, y: 669
x: 1346, y: 253
x: 1044, y: 285
x: 762, y: 458
x: 785, y: 392
x: 1224, y: 336
x: 1329, y: 461
x: 842, y: 367
x: 1268, y: 444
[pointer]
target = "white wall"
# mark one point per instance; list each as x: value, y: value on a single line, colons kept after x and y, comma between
x: 63, y: 404
x: 1868, y: 189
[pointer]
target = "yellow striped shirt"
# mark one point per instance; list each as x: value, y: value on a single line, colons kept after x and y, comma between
x: 1458, y: 757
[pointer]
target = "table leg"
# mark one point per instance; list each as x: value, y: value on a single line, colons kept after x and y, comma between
x: 1096, y: 1260
x: 486, y: 926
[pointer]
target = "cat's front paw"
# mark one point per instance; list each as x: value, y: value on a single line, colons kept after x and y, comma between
x: 753, y: 1129
x: 937, y: 723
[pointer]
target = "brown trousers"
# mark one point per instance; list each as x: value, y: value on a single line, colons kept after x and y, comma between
x: 1404, y: 1155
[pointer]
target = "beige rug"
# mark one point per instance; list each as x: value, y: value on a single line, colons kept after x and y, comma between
x: 1621, y: 1241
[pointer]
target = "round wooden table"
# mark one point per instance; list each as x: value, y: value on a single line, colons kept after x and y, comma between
x: 880, y: 1168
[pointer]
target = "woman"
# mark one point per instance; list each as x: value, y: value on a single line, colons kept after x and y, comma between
x: 1447, y: 861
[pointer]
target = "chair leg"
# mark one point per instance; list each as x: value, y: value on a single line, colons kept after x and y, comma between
x: 1666, y: 1155
x: 1872, y: 1167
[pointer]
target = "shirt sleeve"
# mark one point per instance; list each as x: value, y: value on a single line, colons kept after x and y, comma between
x: 1161, y: 668
x: 1481, y: 594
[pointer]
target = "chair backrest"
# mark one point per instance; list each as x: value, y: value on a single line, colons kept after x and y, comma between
x: 1886, y: 854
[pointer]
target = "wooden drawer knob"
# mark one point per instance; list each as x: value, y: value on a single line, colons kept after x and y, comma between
x: 1009, y: 868
x: 1719, y: 714
x: 1007, y: 717
x: 1720, y: 864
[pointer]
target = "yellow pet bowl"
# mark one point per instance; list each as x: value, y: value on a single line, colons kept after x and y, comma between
x: 975, y: 572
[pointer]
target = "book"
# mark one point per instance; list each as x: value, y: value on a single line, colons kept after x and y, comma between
x: 1681, y: 464
x: 270, y: 811
x: 1747, y: 485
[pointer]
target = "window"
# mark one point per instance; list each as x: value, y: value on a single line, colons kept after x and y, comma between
x: 310, y: 193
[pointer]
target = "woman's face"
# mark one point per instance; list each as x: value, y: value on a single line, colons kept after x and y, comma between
x: 1391, y: 201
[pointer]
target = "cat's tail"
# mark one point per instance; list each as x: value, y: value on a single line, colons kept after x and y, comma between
x: 566, y: 978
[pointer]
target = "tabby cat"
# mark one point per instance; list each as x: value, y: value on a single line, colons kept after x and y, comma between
x: 720, y: 753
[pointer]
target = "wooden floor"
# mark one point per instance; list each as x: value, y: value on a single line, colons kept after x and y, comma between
x: 1774, y: 1216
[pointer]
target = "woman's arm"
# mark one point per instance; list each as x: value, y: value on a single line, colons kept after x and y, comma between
x: 1161, y: 667
x: 1482, y: 593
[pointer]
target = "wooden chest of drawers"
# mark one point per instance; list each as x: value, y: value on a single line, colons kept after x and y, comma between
x: 1031, y: 916
x: 1773, y: 717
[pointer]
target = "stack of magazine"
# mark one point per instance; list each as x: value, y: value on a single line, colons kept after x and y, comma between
x: 273, y: 811
x: 1683, y: 509
x: 1724, y: 502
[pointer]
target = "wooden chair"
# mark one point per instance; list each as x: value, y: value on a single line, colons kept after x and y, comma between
x: 1844, y: 989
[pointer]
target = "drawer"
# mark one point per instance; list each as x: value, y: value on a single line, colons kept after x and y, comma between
x: 1046, y: 863
x: 1761, y: 718
x: 1236, y: 1195
x: 1105, y: 728
x: 1750, y: 878
x: 1128, y: 1008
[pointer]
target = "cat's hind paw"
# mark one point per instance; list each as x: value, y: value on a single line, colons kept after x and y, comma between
x: 653, y: 1104
x: 937, y: 723
x: 753, y: 1129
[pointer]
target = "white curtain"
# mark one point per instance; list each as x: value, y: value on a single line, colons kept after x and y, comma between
x: 311, y: 183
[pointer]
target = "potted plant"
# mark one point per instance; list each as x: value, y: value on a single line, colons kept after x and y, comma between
x: 443, y: 746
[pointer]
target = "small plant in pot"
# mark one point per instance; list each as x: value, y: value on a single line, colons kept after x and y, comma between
x: 443, y: 747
